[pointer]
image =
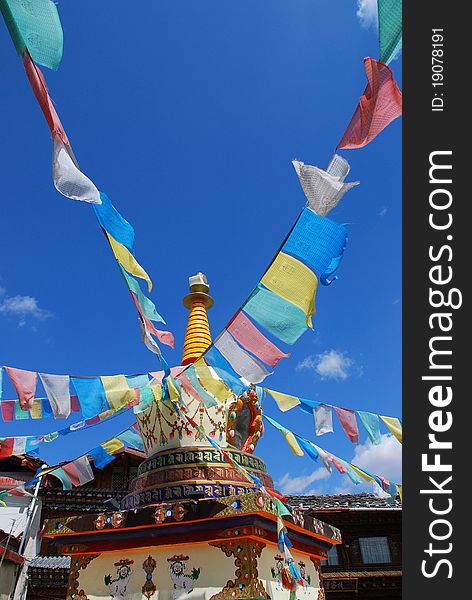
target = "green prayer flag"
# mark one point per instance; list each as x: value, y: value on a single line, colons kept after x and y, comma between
x: 390, y: 29
x: 35, y: 25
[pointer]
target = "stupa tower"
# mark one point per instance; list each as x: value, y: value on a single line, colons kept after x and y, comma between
x: 197, y: 336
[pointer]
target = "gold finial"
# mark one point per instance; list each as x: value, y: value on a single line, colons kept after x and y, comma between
x: 197, y: 336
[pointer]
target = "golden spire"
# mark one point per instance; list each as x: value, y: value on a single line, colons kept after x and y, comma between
x: 197, y: 336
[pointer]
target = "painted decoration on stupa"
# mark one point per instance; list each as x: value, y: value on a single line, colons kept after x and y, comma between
x: 183, y: 583
x: 118, y: 585
x: 277, y: 569
x: 149, y: 587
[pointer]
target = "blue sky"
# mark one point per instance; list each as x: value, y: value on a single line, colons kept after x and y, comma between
x: 187, y: 115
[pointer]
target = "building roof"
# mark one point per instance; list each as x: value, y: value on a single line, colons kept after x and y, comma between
x: 342, y: 501
x: 50, y: 562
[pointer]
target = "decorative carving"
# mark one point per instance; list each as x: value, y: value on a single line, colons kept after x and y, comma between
x: 78, y: 563
x: 321, y: 591
x: 149, y: 587
x: 246, y: 583
x: 244, y: 426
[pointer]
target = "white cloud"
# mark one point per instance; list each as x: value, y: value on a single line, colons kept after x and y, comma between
x: 384, y: 459
x: 367, y: 12
x: 331, y: 364
x: 22, y: 308
x: 297, y: 485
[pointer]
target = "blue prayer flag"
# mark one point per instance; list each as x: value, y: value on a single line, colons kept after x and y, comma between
x: 113, y: 223
x: 91, y: 395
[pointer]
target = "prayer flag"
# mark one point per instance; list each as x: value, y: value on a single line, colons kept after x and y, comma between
x: 347, y: 418
x: 35, y: 25
x: 117, y: 391
x: 165, y: 337
x: 380, y: 104
x: 317, y: 241
x: 292, y: 280
x: 38, y: 84
x: 127, y: 260
x: 36, y: 411
x: 8, y: 410
x: 282, y: 319
x: 58, y: 393
x: 112, y: 445
x: 243, y: 363
x: 390, y: 29
x: 400, y: 491
x: 24, y: 383
x: 100, y: 457
x: 323, y: 190
x: 91, y: 395
x: 250, y: 338
x: 148, y: 307
x: 68, y: 178
x: 63, y: 478
x: 211, y: 382
x: 20, y: 414
x: 194, y: 389
x: 395, y: 427
x: 132, y: 438
x: 223, y: 369
x: 288, y: 435
x: 137, y: 381
x: 372, y: 426
x: 323, y: 419
x: 338, y: 167
x: 113, y: 223
x: 284, y: 401
x: 79, y: 471
x: 308, y: 447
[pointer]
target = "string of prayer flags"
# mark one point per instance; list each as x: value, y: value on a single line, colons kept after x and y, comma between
x: 213, y: 384
x: 250, y: 338
x: 194, y: 389
x: 57, y: 389
x: 79, y: 471
x: 323, y: 414
x: 241, y: 361
x: 394, y: 426
x: 284, y: 401
x: 380, y: 104
x: 390, y: 29
x: 371, y: 425
x: 40, y: 90
x: 348, y: 421
x: 24, y: 383
x: 132, y: 439
x: 323, y: 190
x: 68, y: 178
x: 114, y: 223
x: 282, y: 319
x: 127, y: 260
x: 91, y: 395
x: 319, y: 242
x: 292, y: 280
x: 35, y: 26
x: 288, y: 435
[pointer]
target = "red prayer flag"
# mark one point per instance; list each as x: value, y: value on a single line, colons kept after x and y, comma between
x: 38, y: 84
x: 24, y: 383
x: 8, y: 410
x: 250, y: 338
x: 347, y: 418
x: 380, y: 104
x: 6, y: 447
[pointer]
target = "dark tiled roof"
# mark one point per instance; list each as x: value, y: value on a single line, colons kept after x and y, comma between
x: 350, y: 501
x: 356, y: 574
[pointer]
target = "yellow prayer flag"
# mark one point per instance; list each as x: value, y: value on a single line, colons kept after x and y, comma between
x: 400, y: 491
x: 294, y: 281
x: 292, y: 442
x: 362, y: 473
x: 212, y: 383
x: 111, y: 446
x: 157, y: 392
x: 127, y: 261
x: 36, y: 411
x: 284, y: 401
x: 395, y: 427
x: 174, y: 393
x: 117, y: 391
